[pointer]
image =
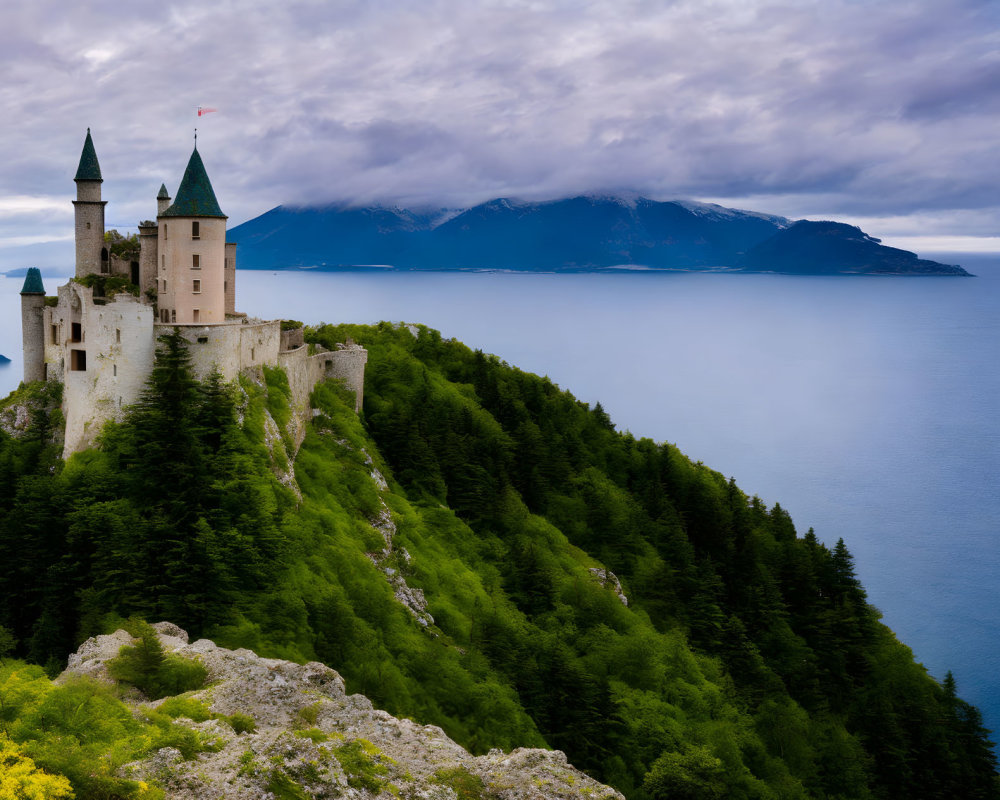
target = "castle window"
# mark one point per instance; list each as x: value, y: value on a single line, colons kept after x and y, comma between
x: 194, y: 230
x: 173, y: 315
x: 164, y: 315
x: 88, y: 226
x: 164, y: 231
x: 164, y: 285
x: 225, y: 286
x: 76, y: 332
x: 196, y: 288
x: 118, y: 335
x: 195, y: 315
x: 253, y: 353
x: 195, y: 261
x: 55, y: 334
x: 163, y: 262
x: 78, y: 360
x: 202, y: 340
x: 226, y: 263
x: 114, y: 370
x: 104, y: 260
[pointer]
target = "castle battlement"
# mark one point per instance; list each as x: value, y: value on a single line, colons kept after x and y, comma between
x: 102, y: 348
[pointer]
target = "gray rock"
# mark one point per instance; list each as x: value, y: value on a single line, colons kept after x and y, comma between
x: 304, y: 719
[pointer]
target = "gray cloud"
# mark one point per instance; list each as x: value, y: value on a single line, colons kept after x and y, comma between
x: 840, y: 107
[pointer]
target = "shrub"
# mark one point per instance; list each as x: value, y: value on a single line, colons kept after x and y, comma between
x: 465, y: 785
x: 19, y: 777
x: 241, y: 723
x: 188, y: 707
x: 153, y: 672
x: 314, y: 735
x: 284, y: 788
x: 360, y: 761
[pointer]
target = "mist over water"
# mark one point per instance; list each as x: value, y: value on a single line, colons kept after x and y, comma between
x: 867, y: 406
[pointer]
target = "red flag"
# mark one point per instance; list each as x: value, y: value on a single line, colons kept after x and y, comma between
x: 203, y: 111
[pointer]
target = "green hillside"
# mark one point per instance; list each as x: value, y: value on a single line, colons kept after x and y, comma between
x: 747, y: 662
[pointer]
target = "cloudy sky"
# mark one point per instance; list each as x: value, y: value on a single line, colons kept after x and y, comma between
x: 885, y: 114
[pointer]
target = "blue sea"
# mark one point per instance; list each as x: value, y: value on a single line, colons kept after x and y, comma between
x: 869, y: 407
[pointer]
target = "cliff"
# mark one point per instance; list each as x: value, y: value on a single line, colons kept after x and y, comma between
x: 310, y: 738
x: 477, y: 551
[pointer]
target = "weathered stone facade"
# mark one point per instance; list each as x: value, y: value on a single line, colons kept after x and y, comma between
x: 231, y: 347
x: 304, y: 371
x: 103, y: 348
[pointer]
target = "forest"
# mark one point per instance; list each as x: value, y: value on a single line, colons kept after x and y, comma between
x: 740, y: 660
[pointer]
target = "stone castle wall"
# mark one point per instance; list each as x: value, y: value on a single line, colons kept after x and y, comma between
x: 103, y: 351
x: 105, y: 370
x: 231, y: 348
x: 304, y: 371
x: 348, y: 365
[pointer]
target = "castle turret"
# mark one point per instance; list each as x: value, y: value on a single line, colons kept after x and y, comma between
x: 33, y: 325
x: 162, y: 199
x: 192, y: 250
x: 148, y: 255
x: 91, y: 254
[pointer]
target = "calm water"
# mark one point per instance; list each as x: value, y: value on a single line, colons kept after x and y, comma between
x: 868, y: 407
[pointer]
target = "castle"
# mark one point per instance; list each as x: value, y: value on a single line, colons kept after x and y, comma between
x: 102, y: 345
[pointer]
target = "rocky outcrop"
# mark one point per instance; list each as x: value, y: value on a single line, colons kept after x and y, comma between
x: 312, y: 739
x: 609, y: 580
x: 31, y: 403
x: 391, y: 562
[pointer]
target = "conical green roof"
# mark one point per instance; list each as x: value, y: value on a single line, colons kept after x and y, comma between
x: 33, y: 282
x: 163, y: 194
x: 89, y: 169
x: 195, y: 197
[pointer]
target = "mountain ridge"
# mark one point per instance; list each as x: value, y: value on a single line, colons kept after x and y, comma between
x: 583, y: 233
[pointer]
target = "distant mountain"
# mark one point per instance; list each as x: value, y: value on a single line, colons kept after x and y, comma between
x: 575, y: 234
x: 832, y: 248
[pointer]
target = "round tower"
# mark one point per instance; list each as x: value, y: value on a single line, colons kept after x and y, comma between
x: 192, y: 252
x: 91, y: 254
x: 33, y: 326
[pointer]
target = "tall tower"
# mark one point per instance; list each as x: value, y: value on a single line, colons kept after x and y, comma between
x: 192, y: 251
x: 91, y: 255
x: 33, y: 326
